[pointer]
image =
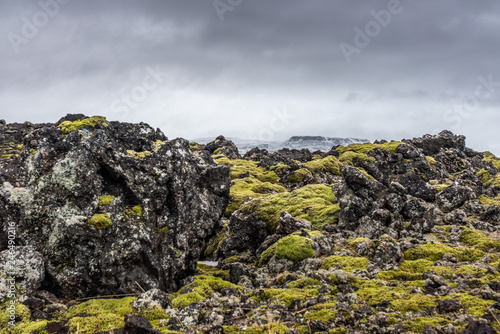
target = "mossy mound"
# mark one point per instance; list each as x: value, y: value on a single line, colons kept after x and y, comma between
x: 347, y: 263
x: 295, y: 248
x: 202, y: 287
x: 434, y: 251
x: 100, y: 221
x: 68, y: 127
x: 315, y: 203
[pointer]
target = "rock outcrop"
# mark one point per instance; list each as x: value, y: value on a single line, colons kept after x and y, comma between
x: 111, y: 207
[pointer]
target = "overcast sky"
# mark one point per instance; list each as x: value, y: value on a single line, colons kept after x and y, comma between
x: 258, y: 68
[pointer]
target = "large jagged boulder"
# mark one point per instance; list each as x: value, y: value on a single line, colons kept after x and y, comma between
x: 111, y: 207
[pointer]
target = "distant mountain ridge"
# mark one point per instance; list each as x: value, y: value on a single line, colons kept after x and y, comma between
x: 312, y: 143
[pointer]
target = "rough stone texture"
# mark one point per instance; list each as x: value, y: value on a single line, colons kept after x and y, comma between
x: 23, y: 265
x: 287, y: 224
x: 246, y: 232
x: 223, y: 146
x: 167, y: 203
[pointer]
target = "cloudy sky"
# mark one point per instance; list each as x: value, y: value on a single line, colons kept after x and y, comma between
x: 257, y: 68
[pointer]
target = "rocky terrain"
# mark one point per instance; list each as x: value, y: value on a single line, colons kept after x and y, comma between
x: 311, y: 143
x: 117, y: 229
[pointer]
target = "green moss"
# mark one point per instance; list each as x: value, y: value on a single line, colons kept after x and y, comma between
x: 323, y: 312
x: 283, y: 296
x: 99, y: 315
x: 479, y: 240
x: 105, y: 200
x: 488, y: 156
x: 22, y: 316
x: 212, y: 271
x: 202, y: 287
x: 240, y: 166
x: 215, y: 243
x: 440, y: 186
x: 448, y: 272
x: 304, y: 283
x: 135, y: 211
x: 347, y: 263
x: 266, y: 255
x: 416, y: 325
x: 400, y: 297
x: 68, y: 127
x: 299, y: 175
x: 435, y: 251
x: 329, y: 164
x: 315, y: 203
x: 352, y: 244
x: 100, y: 221
x: 352, y: 157
x: 139, y: 155
x: 486, y: 279
x: 416, y: 266
x: 472, y: 305
x: 367, y: 147
x: 488, y: 200
x: 398, y: 275
x: 241, y: 189
x: 217, y: 151
x: 294, y: 247
x: 430, y: 160
x: 193, y: 146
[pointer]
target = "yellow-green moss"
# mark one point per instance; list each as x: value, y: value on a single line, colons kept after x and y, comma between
x: 347, y: 263
x: 440, y: 186
x: 241, y: 189
x: 68, y: 127
x: 212, y: 271
x: 430, y: 160
x: 350, y: 157
x: 398, y: 275
x: 283, y: 296
x: 416, y: 325
x: 99, y: 315
x: 139, y: 155
x: 304, y: 283
x: 271, y: 328
x: 105, y: 200
x: 435, y: 251
x: 479, y: 240
x: 215, y: 243
x: 367, y: 147
x: 240, y: 166
x: 22, y: 316
x: 202, y: 287
x: 416, y: 266
x: 100, y: 221
x: 135, y: 211
x: 267, y: 255
x: 299, y: 175
x: 488, y: 200
x: 400, y: 298
x: 472, y: 305
x: 323, y: 312
x: 315, y: 203
x: 295, y: 248
x: 193, y: 146
x: 488, y: 156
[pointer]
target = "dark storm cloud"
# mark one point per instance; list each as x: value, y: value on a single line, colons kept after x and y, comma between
x: 419, y: 73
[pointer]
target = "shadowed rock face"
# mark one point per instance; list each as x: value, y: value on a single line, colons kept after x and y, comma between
x: 109, y: 206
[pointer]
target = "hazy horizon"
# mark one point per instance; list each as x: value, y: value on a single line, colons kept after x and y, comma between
x: 257, y: 69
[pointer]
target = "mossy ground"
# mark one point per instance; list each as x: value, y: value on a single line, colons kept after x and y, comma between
x: 202, y: 287
x: 315, y: 203
x: 294, y: 247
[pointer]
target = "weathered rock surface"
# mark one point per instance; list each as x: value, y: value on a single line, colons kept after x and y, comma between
x: 109, y: 206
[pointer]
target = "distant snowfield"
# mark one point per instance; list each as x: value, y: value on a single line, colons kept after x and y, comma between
x: 312, y: 143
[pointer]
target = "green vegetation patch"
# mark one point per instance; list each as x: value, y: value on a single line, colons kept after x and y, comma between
x: 68, y: 127
x: 400, y: 297
x: 295, y: 248
x: 214, y: 244
x: 434, y: 251
x: 202, y: 287
x: 240, y: 166
x: 193, y: 146
x: 480, y: 241
x: 241, y: 189
x: 304, y: 283
x: 315, y: 203
x: 266, y: 255
x: 105, y: 200
x: 283, y: 296
x: 488, y: 200
x: 100, y: 221
x: 417, y: 325
x: 440, y: 186
x: 348, y: 263
x: 212, y: 271
x: 367, y: 147
x: 322, y: 312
